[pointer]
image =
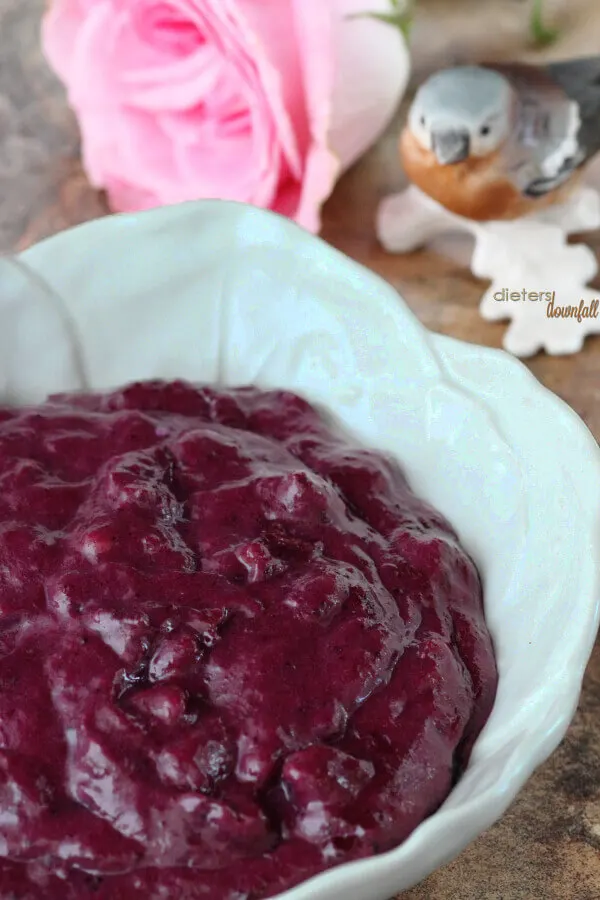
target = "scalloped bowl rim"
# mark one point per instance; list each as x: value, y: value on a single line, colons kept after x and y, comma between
x: 460, y: 364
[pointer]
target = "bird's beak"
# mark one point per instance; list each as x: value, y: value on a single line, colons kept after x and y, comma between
x: 451, y: 145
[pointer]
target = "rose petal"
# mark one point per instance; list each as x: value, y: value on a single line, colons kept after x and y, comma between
x: 315, y: 28
x: 59, y: 31
x: 96, y: 85
x: 128, y: 198
x: 371, y: 77
x: 179, y: 84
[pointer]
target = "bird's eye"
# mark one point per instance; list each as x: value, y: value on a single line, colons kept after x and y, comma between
x: 484, y: 130
x: 422, y: 121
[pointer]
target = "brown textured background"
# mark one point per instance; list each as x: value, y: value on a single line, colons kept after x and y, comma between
x: 547, y: 847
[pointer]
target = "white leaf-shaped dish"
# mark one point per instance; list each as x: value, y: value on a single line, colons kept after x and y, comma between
x: 215, y: 291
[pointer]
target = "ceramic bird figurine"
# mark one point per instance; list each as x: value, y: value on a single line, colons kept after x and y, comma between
x: 495, y: 142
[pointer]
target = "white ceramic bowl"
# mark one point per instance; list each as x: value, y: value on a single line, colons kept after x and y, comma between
x: 214, y: 291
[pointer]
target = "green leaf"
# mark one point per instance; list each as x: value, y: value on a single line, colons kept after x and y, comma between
x: 541, y: 34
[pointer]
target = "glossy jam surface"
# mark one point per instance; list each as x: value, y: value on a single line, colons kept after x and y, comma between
x: 229, y: 642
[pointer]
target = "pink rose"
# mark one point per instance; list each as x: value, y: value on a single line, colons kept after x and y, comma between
x: 260, y: 101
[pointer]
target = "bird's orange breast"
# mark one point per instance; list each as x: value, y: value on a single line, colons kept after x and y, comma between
x: 476, y: 188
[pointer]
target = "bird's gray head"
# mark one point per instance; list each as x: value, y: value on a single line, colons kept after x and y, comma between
x: 462, y: 112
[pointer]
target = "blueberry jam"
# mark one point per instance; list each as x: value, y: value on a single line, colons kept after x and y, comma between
x: 234, y: 650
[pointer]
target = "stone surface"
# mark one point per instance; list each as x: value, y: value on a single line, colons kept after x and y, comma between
x: 547, y: 847
x: 42, y: 187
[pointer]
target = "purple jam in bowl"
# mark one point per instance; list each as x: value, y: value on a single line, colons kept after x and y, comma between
x: 234, y: 650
